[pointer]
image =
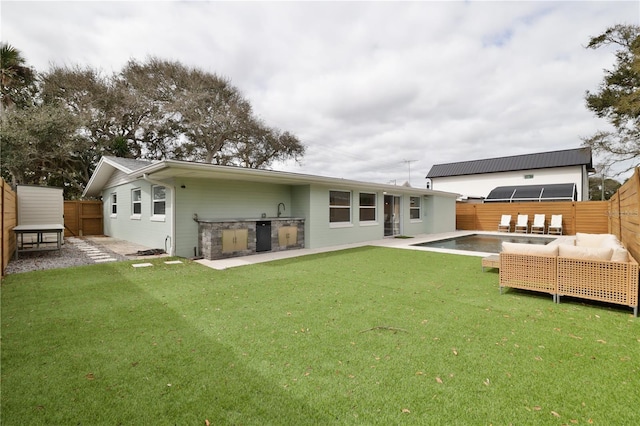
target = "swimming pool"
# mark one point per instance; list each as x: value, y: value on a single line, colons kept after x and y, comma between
x: 484, y: 242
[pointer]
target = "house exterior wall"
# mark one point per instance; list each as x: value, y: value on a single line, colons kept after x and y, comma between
x: 438, y: 217
x: 223, y: 199
x: 301, y: 207
x: 117, y: 178
x: 481, y: 184
x: 142, y: 230
x: 218, y: 199
x: 322, y: 233
x: 435, y: 216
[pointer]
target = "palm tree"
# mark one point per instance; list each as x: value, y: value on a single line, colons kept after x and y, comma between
x: 14, y: 74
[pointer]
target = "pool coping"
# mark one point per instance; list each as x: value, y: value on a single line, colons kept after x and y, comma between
x: 559, y: 239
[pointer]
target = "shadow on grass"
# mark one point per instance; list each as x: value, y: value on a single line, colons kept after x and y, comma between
x: 567, y: 300
x: 100, y: 345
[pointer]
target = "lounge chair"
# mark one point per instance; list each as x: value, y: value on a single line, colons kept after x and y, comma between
x: 555, y: 227
x: 522, y: 225
x: 505, y: 223
x: 538, y: 224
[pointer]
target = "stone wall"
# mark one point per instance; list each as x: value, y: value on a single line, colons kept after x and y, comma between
x: 210, y: 236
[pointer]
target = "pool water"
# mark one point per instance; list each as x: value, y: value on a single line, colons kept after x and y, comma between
x: 484, y: 243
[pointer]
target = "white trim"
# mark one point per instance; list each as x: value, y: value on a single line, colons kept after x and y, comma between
x: 172, y: 198
x: 134, y: 202
x: 349, y: 207
x: 373, y: 207
x: 369, y: 223
x: 160, y: 200
x: 419, y: 208
x: 340, y: 225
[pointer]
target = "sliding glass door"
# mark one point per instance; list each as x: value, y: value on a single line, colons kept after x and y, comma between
x: 391, y: 215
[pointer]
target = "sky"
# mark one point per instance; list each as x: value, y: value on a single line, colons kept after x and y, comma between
x: 376, y: 91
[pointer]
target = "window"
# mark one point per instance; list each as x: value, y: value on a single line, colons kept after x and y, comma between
x: 114, y: 204
x: 339, y: 206
x: 136, y: 203
x: 367, y: 207
x: 414, y: 208
x: 159, y: 197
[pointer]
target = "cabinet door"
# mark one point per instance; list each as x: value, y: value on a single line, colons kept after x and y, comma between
x: 228, y: 240
x: 287, y: 236
x: 242, y: 239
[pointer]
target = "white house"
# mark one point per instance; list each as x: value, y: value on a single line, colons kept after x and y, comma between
x: 545, y: 176
x: 216, y: 211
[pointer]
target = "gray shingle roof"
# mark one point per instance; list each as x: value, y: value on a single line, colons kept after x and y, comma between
x: 542, y: 160
x: 130, y: 164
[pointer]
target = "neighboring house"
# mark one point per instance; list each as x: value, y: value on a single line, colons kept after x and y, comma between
x: 545, y: 176
x: 216, y: 211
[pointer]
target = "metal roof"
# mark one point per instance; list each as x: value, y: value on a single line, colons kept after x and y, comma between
x: 542, y: 160
x: 548, y: 192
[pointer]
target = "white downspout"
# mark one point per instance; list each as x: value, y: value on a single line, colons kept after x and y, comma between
x: 172, y: 224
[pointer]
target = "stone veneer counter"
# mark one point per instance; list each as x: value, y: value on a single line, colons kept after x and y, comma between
x: 224, y: 238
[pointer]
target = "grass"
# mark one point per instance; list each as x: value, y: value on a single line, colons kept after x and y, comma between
x: 363, y: 336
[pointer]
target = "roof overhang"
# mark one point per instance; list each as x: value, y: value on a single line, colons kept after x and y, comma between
x: 171, y: 170
x: 105, y: 168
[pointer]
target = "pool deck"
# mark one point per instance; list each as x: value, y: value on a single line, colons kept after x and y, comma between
x: 391, y: 242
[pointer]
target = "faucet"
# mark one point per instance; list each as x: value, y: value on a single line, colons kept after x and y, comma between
x: 279, y: 212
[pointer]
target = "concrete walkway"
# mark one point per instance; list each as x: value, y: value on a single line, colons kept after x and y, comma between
x: 401, y: 243
x: 121, y: 247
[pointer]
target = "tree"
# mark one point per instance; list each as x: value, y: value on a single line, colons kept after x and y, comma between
x: 214, y: 122
x: 39, y: 147
x: 597, y: 188
x: 163, y: 109
x: 618, y: 97
x: 16, y: 78
x: 155, y: 109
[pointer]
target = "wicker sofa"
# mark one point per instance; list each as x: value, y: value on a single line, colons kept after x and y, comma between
x: 596, y: 267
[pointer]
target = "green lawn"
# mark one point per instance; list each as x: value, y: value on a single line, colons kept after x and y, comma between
x: 363, y: 336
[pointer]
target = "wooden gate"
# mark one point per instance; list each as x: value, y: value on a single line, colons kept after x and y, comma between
x: 83, y: 218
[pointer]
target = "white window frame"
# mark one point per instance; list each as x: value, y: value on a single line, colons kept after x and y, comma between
x: 413, y: 209
x: 136, y: 216
x: 113, y: 205
x: 154, y: 216
x: 349, y: 208
x: 374, y: 207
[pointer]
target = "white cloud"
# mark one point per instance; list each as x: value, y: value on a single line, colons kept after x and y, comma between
x: 365, y: 85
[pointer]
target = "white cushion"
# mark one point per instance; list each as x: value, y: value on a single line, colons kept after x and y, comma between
x: 595, y: 240
x: 588, y: 253
x: 533, y: 249
x: 620, y: 254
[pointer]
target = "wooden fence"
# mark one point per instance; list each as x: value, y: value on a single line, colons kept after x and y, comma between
x: 584, y: 216
x: 624, y: 214
x: 619, y: 216
x: 8, y: 219
x: 83, y: 218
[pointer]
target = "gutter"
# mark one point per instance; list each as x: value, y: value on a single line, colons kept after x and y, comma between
x: 172, y: 194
